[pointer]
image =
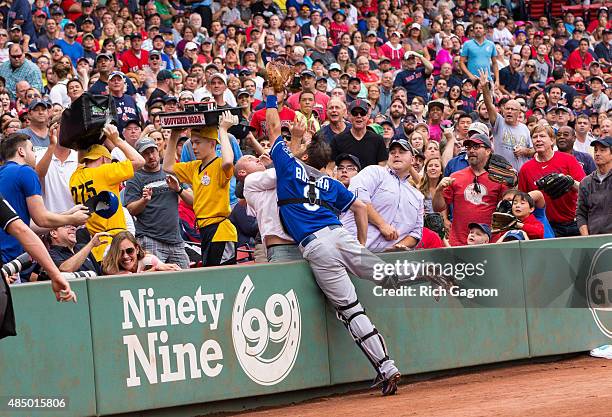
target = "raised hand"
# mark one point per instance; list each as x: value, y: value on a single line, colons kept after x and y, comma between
x: 227, y: 120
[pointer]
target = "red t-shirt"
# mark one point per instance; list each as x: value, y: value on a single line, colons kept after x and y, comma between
x: 131, y: 63
x: 258, y: 121
x: 368, y: 77
x: 576, y: 62
x: 469, y: 206
x: 66, y: 5
x: 429, y: 240
x: 321, y: 101
x: 563, y: 209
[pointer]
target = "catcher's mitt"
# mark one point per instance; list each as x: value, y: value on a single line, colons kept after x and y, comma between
x: 504, y: 206
x: 279, y: 74
x: 502, y: 221
x: 555, y: 184
x: 500, y: 170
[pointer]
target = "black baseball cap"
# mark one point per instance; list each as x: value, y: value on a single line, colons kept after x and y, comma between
x: 359, y: 104
x: 348, y: 157
x: 166, y: 75
x: 403, y: 143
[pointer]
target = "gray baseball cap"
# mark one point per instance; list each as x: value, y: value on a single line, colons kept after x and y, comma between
x: 143, y: 144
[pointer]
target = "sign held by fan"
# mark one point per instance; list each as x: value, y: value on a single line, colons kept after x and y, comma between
x: 196, y: 114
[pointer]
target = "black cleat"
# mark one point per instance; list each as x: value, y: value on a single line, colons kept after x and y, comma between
x: 389, y: 385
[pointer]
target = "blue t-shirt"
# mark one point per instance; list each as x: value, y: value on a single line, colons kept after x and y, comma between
x: 17, y: 182
x: 479, y: 55
x: 74, y: 51
x: 126, y: 110
x: 456, y: 164
x: 540, y: 215
x: 101, y: 87
x: 304, y: 219
x: 413, y: 81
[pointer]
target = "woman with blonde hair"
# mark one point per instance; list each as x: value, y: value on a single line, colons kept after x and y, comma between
x: 433, y: 172
x: 126, y: 256
x: 418, y: 141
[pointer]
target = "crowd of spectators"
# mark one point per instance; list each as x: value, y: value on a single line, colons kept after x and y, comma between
x: 411, y: 97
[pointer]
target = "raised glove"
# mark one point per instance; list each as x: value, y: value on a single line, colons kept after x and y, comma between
x: 502, y: 221
x: 501, y: 171
x: 279, y: 74
x: 555, y: 184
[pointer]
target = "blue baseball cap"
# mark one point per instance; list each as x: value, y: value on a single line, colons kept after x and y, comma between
x: 115, y: 73
x: 607, y: 142
x: 38, y: 102
x: 514, y: 235
x: 482, y: 226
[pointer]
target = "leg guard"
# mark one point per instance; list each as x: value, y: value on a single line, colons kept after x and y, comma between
x: 367, y: 338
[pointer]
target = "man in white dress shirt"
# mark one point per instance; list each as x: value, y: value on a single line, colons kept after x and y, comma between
x: 260, y: 195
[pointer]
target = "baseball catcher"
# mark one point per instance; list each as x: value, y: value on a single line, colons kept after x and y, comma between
x: 309, y: 202
x: 500, y: 170
x: 555, y: 184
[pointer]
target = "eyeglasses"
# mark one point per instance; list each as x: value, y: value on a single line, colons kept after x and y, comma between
x: 529, y: 65
x: 32, y: 96
x: 129, y: 251
x: 16, y: 56
x: 347, y: 168
x: 474, y: 146
x: 3, y: 34
x: 359, y: 113
x: 154, y: 57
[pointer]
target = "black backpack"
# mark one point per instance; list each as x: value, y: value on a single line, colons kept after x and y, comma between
x: 82, y: 122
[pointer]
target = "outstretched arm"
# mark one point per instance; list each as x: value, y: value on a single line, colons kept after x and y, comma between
x: 487, y: 96
x: 272, y: 118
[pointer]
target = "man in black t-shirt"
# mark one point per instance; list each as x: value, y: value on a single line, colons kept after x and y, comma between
x: 360, y: 141
x: 70, y: 256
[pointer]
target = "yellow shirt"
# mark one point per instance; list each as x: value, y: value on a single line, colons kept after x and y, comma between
x: 311, y: 122
x: 88, y: 182
x: 210, y: 195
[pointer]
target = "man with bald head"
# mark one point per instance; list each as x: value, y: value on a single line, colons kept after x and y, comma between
x: 511, y: 139
x: 336, y: 112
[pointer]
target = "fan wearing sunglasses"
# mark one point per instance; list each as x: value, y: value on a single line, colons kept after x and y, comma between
x: 366, y: 145
x: 473, y: 195
x: 126, y: 256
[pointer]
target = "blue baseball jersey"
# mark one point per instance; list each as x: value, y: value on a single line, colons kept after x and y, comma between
x: 301, y: 220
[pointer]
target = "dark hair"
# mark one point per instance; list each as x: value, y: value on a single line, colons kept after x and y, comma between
x: 8, y: 147
x: 72, y: 81
x: 462, y: 115
x: 525, y: 197
x: 318, y: 152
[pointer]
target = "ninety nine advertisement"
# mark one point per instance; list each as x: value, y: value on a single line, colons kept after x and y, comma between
x: 228, y: 331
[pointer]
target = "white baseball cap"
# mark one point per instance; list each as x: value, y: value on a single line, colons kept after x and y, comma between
x: 219, y: 75
x: 190, y: 45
